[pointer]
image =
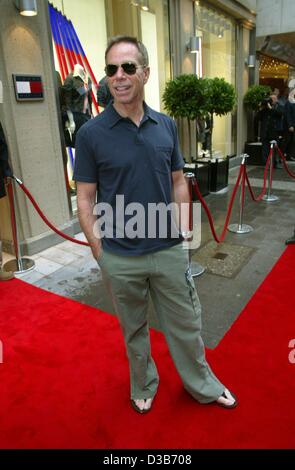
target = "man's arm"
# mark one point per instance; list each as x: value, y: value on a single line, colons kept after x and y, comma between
x: 86, y: 199
x: 182, y: 198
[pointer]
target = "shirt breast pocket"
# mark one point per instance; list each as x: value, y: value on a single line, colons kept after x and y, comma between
x: 163, y: 159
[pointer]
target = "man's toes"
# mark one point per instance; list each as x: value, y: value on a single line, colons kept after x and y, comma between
x: 227, y: 399
x: 148, y: 403
x: 140, y: 403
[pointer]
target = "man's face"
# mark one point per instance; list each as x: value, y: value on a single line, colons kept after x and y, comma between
x: 126, y: 89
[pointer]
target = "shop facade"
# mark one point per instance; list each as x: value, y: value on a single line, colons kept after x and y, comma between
x: 275, y: 43
x: 34, y: 128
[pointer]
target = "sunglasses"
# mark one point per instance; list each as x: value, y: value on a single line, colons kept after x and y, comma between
x: 128, y: 67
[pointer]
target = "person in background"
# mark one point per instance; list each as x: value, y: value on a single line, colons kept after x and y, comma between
x: 5, y: 172
x: 270, y: 118
x: 283, y: 96
x: 103, y: 95
x: 130, y: 150
x: 76, y: 103
x: 289, y: 149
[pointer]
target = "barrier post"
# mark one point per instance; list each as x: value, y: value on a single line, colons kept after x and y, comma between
x: 19, y: 265
x: 240, y: 227
x: 270, y: 197
x: 195, y: 268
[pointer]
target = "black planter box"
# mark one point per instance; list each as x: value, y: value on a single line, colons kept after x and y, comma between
x: 218, y: 173
x: 202, y: 175
x: 254, y: 150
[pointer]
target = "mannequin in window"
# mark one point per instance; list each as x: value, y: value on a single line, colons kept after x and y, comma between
x: 77, y: 102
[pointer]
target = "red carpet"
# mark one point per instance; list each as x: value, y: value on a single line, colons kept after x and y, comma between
x: 64, y: 378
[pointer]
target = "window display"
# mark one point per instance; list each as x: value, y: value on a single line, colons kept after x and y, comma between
x: 216, y: 58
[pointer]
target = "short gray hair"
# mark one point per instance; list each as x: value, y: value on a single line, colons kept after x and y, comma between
x: 144, y: 57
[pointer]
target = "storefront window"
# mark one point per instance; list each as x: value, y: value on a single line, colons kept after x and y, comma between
x: 90, y: 24
x: 217, y: 59
x: 88, y: 19
x: 274, y: 72
x: 147, y: 20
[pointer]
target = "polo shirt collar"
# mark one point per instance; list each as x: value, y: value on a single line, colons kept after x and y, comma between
x: 150, y: 113
x: 113, y: 117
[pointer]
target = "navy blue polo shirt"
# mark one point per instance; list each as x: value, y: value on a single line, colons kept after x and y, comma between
x: 132, y: 167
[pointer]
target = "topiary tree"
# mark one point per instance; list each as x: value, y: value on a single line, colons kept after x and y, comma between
x: 254, y: 95
x: 184, y: 97
x: 220, y: 98
x: 190, y: 97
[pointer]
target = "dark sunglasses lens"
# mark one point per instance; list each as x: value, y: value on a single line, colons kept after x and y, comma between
x: 130, y: 69
x: 111, y: 69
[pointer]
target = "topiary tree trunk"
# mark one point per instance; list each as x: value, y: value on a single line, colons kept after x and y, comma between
x: 220, y: 100
x: 184, y: 97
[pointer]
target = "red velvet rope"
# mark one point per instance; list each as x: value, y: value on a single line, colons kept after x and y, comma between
x: 12, y: 217
x: 243, y: 187
x: 207, y: 210
x: 271, y: 167
x: 191, y: 206
x: 290, y: 173
x: 260, y: 196
x: 44, y: 218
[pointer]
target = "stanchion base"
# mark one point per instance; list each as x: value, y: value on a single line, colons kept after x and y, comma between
x: 290, y: 241
x: 19, y: 266
x: 237, y: 228
x: 270, y: 198
x: 196, y: 269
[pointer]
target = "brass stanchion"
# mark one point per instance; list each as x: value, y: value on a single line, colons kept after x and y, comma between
x: 196, y: 269
x: 270, y: 197
x: 240, y: 227
x: 20, y: 264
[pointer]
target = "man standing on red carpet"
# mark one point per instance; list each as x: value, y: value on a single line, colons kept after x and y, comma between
x: 129, y: 155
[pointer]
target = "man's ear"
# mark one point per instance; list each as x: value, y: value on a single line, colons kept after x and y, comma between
x: 146, y: 72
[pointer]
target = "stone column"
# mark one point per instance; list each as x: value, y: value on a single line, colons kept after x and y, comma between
x: 242, y: 83
x: 182, y: 27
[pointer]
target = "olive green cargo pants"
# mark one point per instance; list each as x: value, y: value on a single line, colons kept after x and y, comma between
x: 164, y: 275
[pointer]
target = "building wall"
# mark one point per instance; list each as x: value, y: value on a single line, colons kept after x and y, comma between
x: 244, y: 10
x: 275, y: 17
x: 251, y: 4
x: 31, y: 128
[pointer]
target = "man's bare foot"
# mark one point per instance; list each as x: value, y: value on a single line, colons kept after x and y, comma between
x: 227, y: 399
x: 142, y: 405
